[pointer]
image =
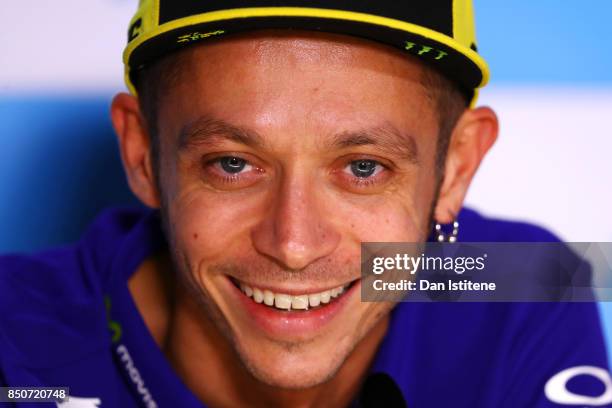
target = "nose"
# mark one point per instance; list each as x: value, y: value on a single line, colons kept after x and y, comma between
x: 294, y: 230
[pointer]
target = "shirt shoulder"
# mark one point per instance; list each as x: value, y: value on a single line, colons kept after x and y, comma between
x: 493, y: 354
x: 475, y: 227
x: 57, y: 294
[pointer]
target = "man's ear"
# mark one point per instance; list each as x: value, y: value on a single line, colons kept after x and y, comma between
x: 135, y: 148
x: 472, y: 137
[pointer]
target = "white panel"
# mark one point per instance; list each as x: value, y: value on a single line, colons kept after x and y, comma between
x: 63, y: 45
x: 552, y: 163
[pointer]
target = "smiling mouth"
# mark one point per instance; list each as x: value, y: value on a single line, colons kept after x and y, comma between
x: 285, y: 302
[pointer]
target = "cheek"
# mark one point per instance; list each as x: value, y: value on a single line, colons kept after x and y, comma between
x: 203, y: 224
x: 373, y: 313
x: 400, y: 214
x: 209, y: 226
x: 385, y: 223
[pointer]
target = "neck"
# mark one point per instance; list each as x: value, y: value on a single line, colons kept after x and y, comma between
x: 212, y: 370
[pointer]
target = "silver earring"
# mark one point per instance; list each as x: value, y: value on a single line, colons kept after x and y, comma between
x: 452, y: 237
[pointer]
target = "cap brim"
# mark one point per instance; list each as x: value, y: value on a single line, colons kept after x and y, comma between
x: 452, y: 59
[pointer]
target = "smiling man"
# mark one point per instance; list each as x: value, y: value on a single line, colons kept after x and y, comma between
x: 269, y: 141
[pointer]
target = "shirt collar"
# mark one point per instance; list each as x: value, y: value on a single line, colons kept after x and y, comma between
x: 389, y: 374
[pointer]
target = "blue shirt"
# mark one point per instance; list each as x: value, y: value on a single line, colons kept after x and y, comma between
x: 67, y: 319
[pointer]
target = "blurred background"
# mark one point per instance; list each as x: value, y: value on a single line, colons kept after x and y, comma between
x: 551, y: 64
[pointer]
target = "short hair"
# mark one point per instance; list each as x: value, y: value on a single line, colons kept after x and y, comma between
x: 450, y: 101
x: 153, y: 82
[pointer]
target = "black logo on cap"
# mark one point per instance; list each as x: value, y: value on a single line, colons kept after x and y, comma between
x: 134, y: 30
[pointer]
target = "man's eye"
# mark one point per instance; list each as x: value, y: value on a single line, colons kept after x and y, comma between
x: 234, y: 165
x: 364, y: 168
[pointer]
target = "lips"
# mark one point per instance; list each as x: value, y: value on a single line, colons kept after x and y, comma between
x: 292, y: 314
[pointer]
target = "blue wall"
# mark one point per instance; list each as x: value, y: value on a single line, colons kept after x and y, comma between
x: 59, y: 165
x: 546, y: 41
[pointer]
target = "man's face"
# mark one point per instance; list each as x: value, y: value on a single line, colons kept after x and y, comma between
x: 280, y: 154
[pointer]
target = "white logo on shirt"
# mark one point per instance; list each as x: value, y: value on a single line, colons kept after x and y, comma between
x: 79, y: 402
x: 556, y: 388
x: 135, y: 376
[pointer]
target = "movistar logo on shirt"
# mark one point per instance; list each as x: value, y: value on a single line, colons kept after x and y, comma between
x: 113, y: 326
x: 135, y: 376
x: 126, y: 358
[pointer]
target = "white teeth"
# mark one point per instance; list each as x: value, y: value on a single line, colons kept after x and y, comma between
x: 282, y: 301
x: 314, y: 300
x: 268, y: 297
x: 258, y: 295
x: 288, y: 302
x: 299, y: 302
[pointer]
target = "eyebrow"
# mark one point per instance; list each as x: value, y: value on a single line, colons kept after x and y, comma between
x: 386, y: 137
x: 207, y: 130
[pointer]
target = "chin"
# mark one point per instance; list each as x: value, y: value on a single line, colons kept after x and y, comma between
x: 293, y: 367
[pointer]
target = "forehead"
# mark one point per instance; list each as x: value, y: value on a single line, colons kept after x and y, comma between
x: 282, y: 78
